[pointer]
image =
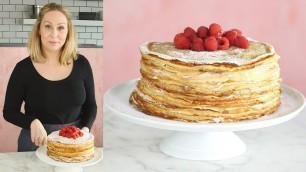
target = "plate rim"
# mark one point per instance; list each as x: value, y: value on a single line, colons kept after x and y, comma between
x: 199, y: 127
x: 42, y: 155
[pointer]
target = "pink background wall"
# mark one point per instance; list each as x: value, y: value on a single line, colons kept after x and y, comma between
x: 9, y: 56
x: 130, y: 23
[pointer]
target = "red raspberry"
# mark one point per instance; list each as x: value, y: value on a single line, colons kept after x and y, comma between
x: 202, y: 32
x: 210, y: 43
x: 223, y: 43
x: 197, y: 44
x: 190, y: 33
x: 69, y: 132
x: 231, y: 36
x: 241, y: 42
x: 181, y: 41
x: 215, y: 30
x: 239, y: 33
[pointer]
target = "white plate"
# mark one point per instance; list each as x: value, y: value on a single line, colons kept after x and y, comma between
x: 117, y: 99
x: 41, y: 153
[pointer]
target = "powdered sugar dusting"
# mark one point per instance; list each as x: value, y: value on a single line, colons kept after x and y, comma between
x: 233, y: 55
x: 54, y: 136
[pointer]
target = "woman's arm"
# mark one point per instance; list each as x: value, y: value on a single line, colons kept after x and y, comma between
x: 13, y: 99
x: 89, y: 108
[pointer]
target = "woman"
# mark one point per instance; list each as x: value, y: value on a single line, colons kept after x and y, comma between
x: 54, y: 82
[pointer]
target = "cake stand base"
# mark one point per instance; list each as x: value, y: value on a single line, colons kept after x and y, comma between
x: 68, y: 169
x: 203, y: 145
x: 41, y: 153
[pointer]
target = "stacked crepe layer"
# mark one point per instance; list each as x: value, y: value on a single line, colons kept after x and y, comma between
x: 65, y: 151
x: 208, y: 90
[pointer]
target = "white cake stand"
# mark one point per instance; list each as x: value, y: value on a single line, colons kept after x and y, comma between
x: 201, y: 141
x: 41, y: 153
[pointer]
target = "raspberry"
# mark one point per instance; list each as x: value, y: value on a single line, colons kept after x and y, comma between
x: 241, y: 42
x: 239, y: 33
x: 231, y: 36
x: 197, y: 44
x: 70, y: 132
x: 210, y: 43
x: 223, y: 43
x: 181, y: 41
x: 215, y: 30
x: 190, y: 33
x: 202, y: 32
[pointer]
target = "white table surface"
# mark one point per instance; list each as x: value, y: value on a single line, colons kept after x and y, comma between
x: 28, y: 162
x: 135, y: 148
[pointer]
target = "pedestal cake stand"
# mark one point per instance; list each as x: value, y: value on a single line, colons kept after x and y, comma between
x: 201, y: 141
x: 41, y: 153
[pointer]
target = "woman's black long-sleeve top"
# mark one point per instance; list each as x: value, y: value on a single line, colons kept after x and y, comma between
x: 52, y: 102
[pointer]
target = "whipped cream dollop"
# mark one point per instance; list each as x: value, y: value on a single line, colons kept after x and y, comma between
x: 233, y: 55
x: 54, y: 136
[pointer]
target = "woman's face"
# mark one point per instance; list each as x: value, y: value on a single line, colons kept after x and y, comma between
x: 53, y: 31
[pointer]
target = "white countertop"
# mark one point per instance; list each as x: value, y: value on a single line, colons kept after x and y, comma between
x: 28, y: 162
x: 135, y: 148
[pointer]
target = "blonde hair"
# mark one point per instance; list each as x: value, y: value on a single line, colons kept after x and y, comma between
x: 69, y: 49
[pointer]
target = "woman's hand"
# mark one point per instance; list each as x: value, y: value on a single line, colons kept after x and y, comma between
x: 38, y: 133
x: 85, y: 129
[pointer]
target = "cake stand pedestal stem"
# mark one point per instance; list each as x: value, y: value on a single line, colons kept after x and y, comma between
x: 68, y: 169
x: 203, y: 145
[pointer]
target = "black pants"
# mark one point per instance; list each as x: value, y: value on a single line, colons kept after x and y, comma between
x: 24, y: 140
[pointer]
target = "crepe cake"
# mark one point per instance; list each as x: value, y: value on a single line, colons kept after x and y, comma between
x: 70, y: 145
x: 221, y: 85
